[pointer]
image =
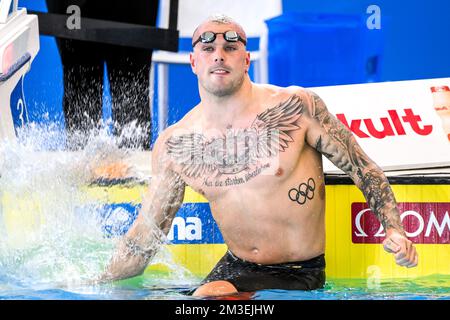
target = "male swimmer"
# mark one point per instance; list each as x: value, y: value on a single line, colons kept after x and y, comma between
x: 254, y: 151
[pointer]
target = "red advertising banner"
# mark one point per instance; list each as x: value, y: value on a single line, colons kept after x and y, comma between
x: 424, y: 222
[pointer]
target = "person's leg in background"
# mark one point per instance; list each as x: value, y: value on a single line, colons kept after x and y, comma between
x: 83, y: 78
x: 130, y: 91
x: 82, y: 101
x: 129, y: 75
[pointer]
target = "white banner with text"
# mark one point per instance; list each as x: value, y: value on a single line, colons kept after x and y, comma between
x: 400, y: 125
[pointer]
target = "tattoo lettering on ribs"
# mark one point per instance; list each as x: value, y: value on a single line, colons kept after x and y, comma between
x: 240, y: 150
x: 304, y: 192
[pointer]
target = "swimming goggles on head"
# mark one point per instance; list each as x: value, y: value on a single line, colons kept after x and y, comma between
x: 209, y: 36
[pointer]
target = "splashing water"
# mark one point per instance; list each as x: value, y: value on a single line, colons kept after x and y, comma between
x: 50, y: 229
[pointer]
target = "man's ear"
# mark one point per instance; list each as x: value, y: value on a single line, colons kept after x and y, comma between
x: 193, y: 62
x: 247, y: 61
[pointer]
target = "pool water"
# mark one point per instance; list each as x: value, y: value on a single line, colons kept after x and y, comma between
x: 164, y: 287
x: 436, y: 287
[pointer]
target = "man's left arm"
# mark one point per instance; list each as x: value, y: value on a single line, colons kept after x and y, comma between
x: 331, y: 138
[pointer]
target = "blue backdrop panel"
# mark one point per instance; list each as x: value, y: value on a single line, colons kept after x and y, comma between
x: 323, y: 49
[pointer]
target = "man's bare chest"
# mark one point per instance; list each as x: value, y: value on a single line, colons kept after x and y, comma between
x: 234, y: 162
x: 261, y: 152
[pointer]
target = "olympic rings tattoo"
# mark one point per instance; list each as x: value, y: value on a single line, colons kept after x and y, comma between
x: 304, y: 192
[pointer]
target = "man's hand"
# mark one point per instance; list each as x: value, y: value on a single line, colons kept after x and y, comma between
x: 403, y: 249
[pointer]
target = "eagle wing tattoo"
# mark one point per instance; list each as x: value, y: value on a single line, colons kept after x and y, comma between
x: 269, y: 133
x: 189, y: 150
x: 274, y: 126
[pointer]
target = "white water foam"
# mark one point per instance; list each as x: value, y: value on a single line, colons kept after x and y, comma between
x: 50, y: 229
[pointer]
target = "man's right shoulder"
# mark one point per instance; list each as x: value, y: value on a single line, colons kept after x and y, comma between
x: 175, y: 129
x: 165, y: 136
x: 183, y: 126
x: 160, y: 155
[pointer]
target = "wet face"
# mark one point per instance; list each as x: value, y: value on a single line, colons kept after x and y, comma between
x: 220, y: 66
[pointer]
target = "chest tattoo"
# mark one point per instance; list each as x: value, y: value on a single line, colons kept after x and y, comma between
x: 236, y: 155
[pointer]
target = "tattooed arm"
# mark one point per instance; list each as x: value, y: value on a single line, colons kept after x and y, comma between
x: 331, y: 138
x: 159, y: 206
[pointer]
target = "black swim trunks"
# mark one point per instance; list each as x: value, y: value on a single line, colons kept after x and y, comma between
x: 248, y: 277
